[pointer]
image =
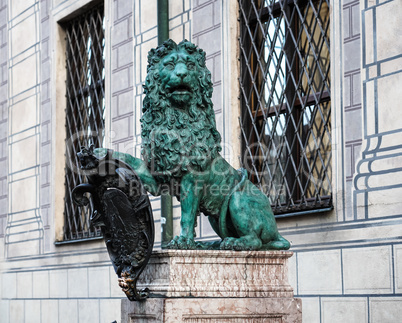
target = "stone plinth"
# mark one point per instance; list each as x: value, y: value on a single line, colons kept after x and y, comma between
x: 215, y: 286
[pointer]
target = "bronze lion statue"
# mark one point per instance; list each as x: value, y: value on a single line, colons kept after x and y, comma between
x: 181, y: 150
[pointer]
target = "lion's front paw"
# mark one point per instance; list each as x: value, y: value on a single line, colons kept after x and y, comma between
x: 181, y: 242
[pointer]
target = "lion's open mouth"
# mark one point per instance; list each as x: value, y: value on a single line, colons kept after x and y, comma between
x: 180, y: 89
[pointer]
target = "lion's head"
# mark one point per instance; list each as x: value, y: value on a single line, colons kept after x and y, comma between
x: 178, y: 123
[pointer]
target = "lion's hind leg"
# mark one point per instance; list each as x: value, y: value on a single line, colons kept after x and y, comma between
x: 254, y: 222
x: 279, y: 244
x: 248, y: 242
x: 247, y: 235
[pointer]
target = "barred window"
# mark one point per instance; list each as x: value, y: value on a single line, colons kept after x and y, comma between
x: 285, y: 101
x: 85, y: 43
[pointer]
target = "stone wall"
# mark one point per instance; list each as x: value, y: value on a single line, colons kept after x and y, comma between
x: 3, y: 120
x: 347, y: 263
x: 24, y: 231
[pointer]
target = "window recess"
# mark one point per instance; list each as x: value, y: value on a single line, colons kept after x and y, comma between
x: 286, y: 102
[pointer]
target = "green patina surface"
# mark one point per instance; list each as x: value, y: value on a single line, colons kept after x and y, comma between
x: 181, y: 151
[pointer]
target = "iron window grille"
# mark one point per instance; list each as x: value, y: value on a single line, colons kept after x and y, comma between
x: 285, y: 101
x: 85, y: 43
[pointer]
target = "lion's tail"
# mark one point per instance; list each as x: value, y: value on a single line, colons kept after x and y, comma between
x: 224, y: 209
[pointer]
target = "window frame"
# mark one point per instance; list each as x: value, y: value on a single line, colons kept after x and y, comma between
x: 85, y: 110
x: 253, y: 104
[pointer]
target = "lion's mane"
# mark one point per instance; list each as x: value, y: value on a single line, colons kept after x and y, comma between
x: 177, y: 140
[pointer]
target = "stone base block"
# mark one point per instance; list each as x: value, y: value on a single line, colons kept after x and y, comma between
x: 213, y: 273
x: 215, y: 286
x: 211, y: 310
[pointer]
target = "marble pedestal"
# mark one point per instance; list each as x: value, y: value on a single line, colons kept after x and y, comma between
x: 216, y: 286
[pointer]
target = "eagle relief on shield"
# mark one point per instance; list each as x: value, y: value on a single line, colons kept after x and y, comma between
x: 122, y: 210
